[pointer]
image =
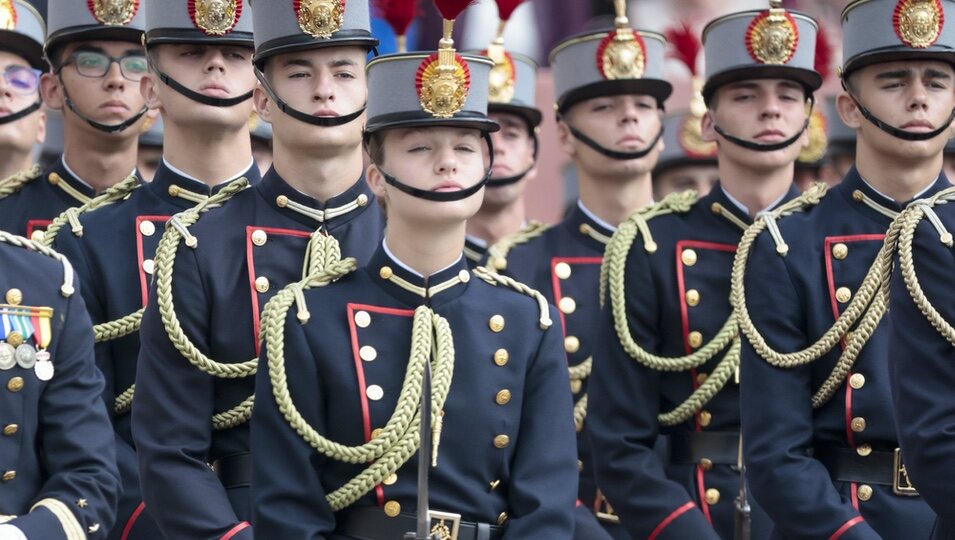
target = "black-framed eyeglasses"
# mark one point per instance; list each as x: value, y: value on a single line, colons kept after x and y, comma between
x: 96, y: 64
x: 21, y: 79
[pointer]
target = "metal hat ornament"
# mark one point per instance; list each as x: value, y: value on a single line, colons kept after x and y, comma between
x: 686, y: 49
x: 399, y: 14
x: 444, y: 78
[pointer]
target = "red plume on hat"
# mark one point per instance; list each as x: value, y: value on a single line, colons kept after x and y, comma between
x: 450, y: 9
x: 505, y: 8
x: 823, y: 60
x: 685, y: 45
x: 399, y: 14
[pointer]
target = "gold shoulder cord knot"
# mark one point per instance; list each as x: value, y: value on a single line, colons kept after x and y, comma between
x: 497, y: 254
x: 66, y: 288
x: 12, y: 184
x: 115, y: 193
x: 387, y: 451
x: 862, y: 315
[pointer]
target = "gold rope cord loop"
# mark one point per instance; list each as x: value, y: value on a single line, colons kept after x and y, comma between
x: 399, y: 439
x: 59, y: 182
x: 235, y: 416
x: 66, y: 288
x: 497, y: 253
x: 13, y: 183
x: 118, y: 328
x: 165, y: 262
x: 493, y: 278
x: 72, y: 215
x: 582, y: 370
x: 706, y: 391
x: 580, y: 412
x: 124, y: 402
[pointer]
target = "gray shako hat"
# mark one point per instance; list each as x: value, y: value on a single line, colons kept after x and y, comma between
x: 217, y: 22
x: 876, y: 31
x: 683, y: 143
x: 842, y: 138
x: 439, y: 89
x: 22, y: 31
x: 84, y: 20
x: 763, y: 44
x: 283, y: 26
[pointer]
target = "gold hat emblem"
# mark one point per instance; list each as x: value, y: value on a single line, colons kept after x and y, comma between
x: 442, y: 84
x: 918, y: 23
x: 113, y: 12
x: 8, y: 15
x: 622, y: 55
x: 320, y: 18
x: 772, y: 37
x: 691, y: 139
x: 817, y: 139
x: 215, y: 17
x: 503, y: 76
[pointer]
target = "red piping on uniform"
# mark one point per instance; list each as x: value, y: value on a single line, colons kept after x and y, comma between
x: 669, y: 519
x: 846, y: 526
x: 34, y: 224
x: 555, y: 281
x: 854, y: 494
x: 235, y: 530
x: 132, y: 520
x: 360, y: 370
x: 704, y: 506
x: 250, y: 263
x: 141, y: 256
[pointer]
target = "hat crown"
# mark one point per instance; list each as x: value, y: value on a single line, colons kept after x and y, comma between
x: 287, y: 25
x: 170, y: 21
x: 94, y: 19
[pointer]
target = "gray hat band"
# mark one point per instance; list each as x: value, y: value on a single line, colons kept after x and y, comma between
x: 94, y: 19
x: 187, y: 21
x: 286, y: 25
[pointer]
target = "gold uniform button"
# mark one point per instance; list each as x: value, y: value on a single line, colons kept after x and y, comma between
x: 864, y: 449
x: 562, y: 270
x: 500, y: 357
x: 464, y: 276
x: 281, y: 201
x: 503, y: 397
x: 15, y: 384
x: 9, y: 475
x: 857, y: 380
x: 147, y: 228
x: 712, y: 496
x: 173, y: 191
x: 15, y: 339
x: 259, y: 237
x: 390, y: 479
x: 705, y: 418
x: 362, y: 200
x: 840, y: 251
x: 385, y: 272
x: 374, y: 392
x: 362, y: 319
x: 692, y: 297
x: 696, y: 339
x: 701, y: 378
x: 501, y: 441
x: 37, y: 235
x: 149, y: 266
x: 392, y: 508
x: 575, y: 386
x: 567, y: 305
x: 262, y: 284
x: 858, y: 424
x: 501, y: 518
x: 706, y: 464
x: 14, y: 297
x: 367, y: 353
x: 10, y: 429
x: 843, y: 295
x: 496, y: 323
x: 375, y: 433
x: 864, y: 492
x: 571, y: 344
x: 688, y: 257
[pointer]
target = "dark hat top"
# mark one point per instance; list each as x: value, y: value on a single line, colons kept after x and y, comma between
x: 84, y: 20
x: 283, y: 26
x: 22, y: 31
x: 875, y: 31
x: 221, y: 22
x: 765, y: 44
x: 683, y: 142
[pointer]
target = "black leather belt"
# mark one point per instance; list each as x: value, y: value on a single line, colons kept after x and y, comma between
x: 371, y: 523
x: 876, y: 467
x: 234, y: 470
x: 691, y: 447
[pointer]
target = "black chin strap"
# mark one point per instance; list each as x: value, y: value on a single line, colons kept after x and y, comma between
x: 614, y: 154
x: 196, y: 96
x: 444, y: 196
x: 321, y: 121
x: 508, y: 180
x: 898, y: 132
x: 21, y: 113
x: 772, y: 147
x: 108, y: 128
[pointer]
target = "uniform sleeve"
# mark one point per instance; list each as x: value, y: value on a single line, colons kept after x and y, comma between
x: 776, y: 412
x: 543, y: 487
x: 172, y: 419
x: 624, y: 402
x: 76, y: 440
x: 288, y: 498
x: 923, y: 373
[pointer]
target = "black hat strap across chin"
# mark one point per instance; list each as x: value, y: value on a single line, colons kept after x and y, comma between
x: 508, y: 180
x: 35, y: 106
x: 444, y: 196
x: 772, y: 147
x: 201, y: 98
x: 899, y: 133
x: 321, y: 121
x: 108, y: 128
x: 614, y: 154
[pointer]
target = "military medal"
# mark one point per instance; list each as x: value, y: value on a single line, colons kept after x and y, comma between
x: 43, y: 367
x: 25, y: 355
x: 113, y: 12
x: 918, y: 23
x: 7, y: 356
x: 215, y: 17
x: 320, y: 18
x: 772, y: 37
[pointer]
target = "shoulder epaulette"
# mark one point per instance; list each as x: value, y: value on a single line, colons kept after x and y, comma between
x: 13, y: 184
x: 66, y: 289
x: 497, y: 254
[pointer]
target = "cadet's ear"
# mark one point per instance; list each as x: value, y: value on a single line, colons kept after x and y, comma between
x: 51, y: 91
x: 566, y: 138
x: 848, y: 111
x: 375, y: 180
x: 262, y: 103
x: 148, y: 87
x: 707, y: 123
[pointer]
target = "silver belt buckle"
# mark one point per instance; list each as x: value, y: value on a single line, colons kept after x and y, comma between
x: 901, y: 485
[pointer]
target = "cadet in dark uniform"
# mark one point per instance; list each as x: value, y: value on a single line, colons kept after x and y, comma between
x: 687, y: 161
x: 96, y: 64
x: 113, y: 246
x: 200, y: 333
x: 819, y: 431
x: 667, y: 355
x: 23, y: 124
x: 610, y: 123
x: 511, y: 103
x: 337, y: 365
x: 59, y: 478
